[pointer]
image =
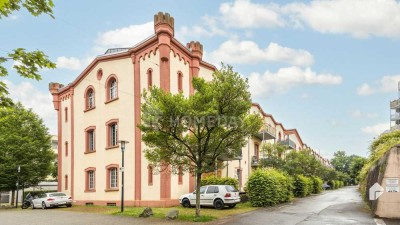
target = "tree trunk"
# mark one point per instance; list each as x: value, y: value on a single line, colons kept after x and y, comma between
x: 198, y: 185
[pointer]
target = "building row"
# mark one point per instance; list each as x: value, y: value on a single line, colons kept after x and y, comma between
x: 102, y: 106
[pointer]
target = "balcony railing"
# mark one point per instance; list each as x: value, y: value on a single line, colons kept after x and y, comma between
x: 267, y: 132
x: 395, y: 104
x: 288, y: 142
x: 395, y: 116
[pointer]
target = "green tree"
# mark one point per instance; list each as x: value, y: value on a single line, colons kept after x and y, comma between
x: 28, y: 63
x: 341, y: 162
x: 24, y: 142
x: 302, y: 163
x: 273, y: 153
x: 356, y: 165
x: 193, y: 132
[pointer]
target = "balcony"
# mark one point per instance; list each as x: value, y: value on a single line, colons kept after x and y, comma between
x: 395, y: 104
x: 267, y: 132
x: 288, y: 142
x: 395, y: 116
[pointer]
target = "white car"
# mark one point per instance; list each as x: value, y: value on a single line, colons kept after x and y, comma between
x: 54, y: 199
x: 212, y: 195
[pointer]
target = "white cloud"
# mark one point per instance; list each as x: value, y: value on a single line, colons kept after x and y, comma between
x: 388, y: 84
x: 124, y: 37
x: 41, y: 103
x: 376, y: 129
x: 245, y: 14
x: 356, y: 113
x: 359, y: 18
x: 286, y: 78
x: 359, y: 114
x: 71, y: 63
x: 210, y: 28
x: 248, y: 52
x: 365, y: 89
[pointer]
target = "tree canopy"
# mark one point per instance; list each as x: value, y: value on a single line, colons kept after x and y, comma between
x: 26, y: 64
x: 24, y: 142
x: 193, y: 132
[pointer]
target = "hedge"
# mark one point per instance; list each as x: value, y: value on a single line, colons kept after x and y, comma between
x: 317, y: 184
x: 303, y: 186
x: 269, y: 187
x: 213, y: 180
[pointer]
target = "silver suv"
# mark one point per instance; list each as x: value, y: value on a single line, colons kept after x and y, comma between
x: 212, y: 195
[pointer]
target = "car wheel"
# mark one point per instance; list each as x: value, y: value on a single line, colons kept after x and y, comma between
x: 218, y: 204
x: 232, y: 206
x: 44, y: 205
x: 69, y: 205
x: 32, y: 206
x: 186, y: 203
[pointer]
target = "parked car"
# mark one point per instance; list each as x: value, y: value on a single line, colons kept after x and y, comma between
x: 54, y: 199
x: 213, y: 195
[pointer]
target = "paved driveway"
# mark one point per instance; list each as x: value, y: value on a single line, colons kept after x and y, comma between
x: 338, y: 207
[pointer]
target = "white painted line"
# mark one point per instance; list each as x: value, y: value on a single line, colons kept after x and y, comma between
x: 379, y: 222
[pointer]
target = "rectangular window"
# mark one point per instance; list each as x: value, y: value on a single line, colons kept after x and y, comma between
x: 91, y: 140
x: 256, y: 151
x: 91, y: 180
x: 113, y: 89
x: 113, y: 178
x: 113, y: 134
x: 150, y: 175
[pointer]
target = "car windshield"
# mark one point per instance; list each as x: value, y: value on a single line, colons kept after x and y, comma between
x: 57, y: 194
x: 230, y: 188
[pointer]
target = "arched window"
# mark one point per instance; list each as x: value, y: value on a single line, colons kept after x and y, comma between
x: 112, y: 133
x: 90, y: 139
x: 66, y: 114
x: 149, y: 78
x: 150, y: 175
x: 90, y: 179
x: 89, y: 98
x: 112, y: 177
x: 66, y: 148
x: 180, y: 84
x: 111, y: 88
x: 66, y: 182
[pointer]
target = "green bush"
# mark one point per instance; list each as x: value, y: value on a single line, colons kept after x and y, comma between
x: 303, y: 186
x: 220, y: 181
x: 337, y: 183
x: 331, y: 183
x: 317, y: 184
x: 269, y: 187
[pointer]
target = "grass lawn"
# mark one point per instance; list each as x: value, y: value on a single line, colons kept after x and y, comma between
x: 185, y: 214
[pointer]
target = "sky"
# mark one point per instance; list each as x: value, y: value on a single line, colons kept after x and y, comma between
x: 327, y: 68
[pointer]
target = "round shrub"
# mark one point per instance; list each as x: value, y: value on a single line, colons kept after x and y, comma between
x: 269, y: 187
x: 332, y: 184
x: 303, y: 186
x: 213, y: 180
x: 317, y: 184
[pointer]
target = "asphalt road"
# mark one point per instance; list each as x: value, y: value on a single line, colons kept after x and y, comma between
x: 338, y: 207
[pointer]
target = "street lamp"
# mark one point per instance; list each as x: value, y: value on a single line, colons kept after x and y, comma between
x: 122, y: 171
